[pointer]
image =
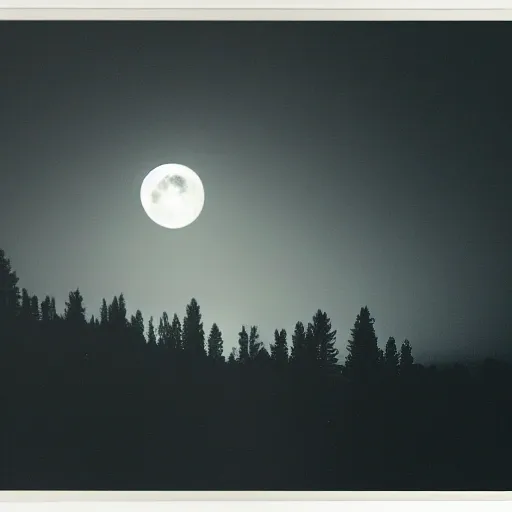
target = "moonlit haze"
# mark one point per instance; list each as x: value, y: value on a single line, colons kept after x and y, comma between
x: 345, y: 164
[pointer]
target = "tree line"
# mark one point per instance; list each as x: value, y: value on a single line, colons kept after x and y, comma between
x: 110, y: 402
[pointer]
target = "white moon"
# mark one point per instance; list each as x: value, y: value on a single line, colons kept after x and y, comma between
x: 172, y: 195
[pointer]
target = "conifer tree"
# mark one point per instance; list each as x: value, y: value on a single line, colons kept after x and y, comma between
x: 74, y: 311
x: 232, y: 357
x: 151, y: 333
x: 26, y: 306
x: 137, y: 325
x: 391, y: 359
x: 9, y: 291
x: 279, y: 350
x: 298, y: 352
x: 45, y: 309
x: 215, y: 344
x: 176, y: 340
x: 34, y: 307
x: 243, y: 343
x: 325, y: 338
x: 104, y: 313
x: 363, y: 354
x: 406, y: 358
x: 254, y: 343
x: 193, y: 333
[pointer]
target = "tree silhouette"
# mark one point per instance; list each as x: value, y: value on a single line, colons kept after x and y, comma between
x: 299, y: 349
x: 34, y: 307
x: 243, y: 344
x: 104, y: 310
x: 324, y: 338
x: 176, y: 334
x: 279, y: 350
x: 137, y: 325
x: 74, y: 312
x: 391, y: 359
x: 151, y: 333
x: 9, y: 291
x: 362, y: 361
x: 406, y: 358
x: 215, y: 344
x: 254, y: 343
x: 26, y: 306
x: 164, y: 331
x: 193, y: 333
x: 83, y: 412
x: 232, y: 358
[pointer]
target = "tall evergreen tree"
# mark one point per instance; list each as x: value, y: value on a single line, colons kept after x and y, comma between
x: 298, y: 352
x: 391, y: 359
x: 176, y: 340
x: 243, y: 343
x: 362, y: 361
x: 104, y: 313
x: 45, y: 309
x: 325, y: 338
x: 406, y: 358
x: 113, y: 312
x: 232, y: 357
x: 193, y: 333
x: 74, y: 312
x: 137, y: 326
x: 34, y: 307
x: 279, y: 350
x: 254, y: 343
x: 26, y: 306
x: 9, y: 291
x: 311, y: 347
x: 53, y: 310
x: 151, y: 333
x: 215, y: 344
x: 122, y: 321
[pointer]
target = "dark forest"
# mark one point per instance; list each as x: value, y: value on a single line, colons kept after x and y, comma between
x: 99, y: 402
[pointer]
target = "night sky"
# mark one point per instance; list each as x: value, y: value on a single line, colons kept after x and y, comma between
x: 344, y: 164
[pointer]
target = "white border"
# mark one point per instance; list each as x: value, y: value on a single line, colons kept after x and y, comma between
x: 251, y: 10
x: 242, y: 14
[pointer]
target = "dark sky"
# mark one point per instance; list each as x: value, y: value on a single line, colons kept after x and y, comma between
x: 344, y: 164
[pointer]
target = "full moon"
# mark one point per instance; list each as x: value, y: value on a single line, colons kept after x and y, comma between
x: 172, y: 195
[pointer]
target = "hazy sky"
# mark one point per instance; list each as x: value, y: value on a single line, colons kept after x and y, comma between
x: 344, y: 164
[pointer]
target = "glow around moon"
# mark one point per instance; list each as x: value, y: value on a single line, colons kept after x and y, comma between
x: 172, y: 196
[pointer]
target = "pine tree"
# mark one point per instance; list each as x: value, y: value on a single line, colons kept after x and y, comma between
x: 406, y: 359
x: 176, y: 341
x: 243, y: 343
x: 137, y: 325
x: 311, y: 347
x: 151, y: 333
x: 254, y: 343
x: 26, y: 306
x: 363, y: 353
x: 279, y: 350
x: 193, y: 333
x: 113, y: 312
x: 45, y: 309
x: 34, y: 307
x: 103, y: 313
x: 325, y: 338
x: 215, y: 344
x: 391, y: 359
x: 121, y: 312
x: 232, y: 357
x: 298, y: 352
x: 9, y: 291
x: 74, y: 312
x: 53, y: 310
